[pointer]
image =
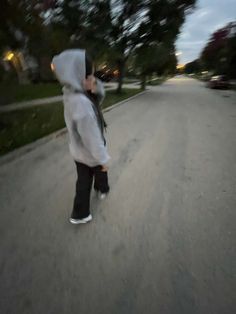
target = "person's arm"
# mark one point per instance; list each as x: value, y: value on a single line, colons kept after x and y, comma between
x: 90, y: 134
x: 100, y: 91
x: 94, y: 85
x: 105, y: 168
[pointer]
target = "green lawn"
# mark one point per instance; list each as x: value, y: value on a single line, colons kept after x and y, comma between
x: 13, y: 94
x: 16, y: 93
x: 21, y: 127
x: 112, y: 97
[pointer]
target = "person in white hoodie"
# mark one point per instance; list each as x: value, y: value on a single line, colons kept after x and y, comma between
x: 82, y: 95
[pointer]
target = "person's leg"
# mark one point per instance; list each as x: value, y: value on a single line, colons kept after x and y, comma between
x: 81, y: 208
x: 100, y: 180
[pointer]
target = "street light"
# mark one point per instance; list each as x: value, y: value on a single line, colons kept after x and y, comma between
x: 179, y: 53
x: 9, y: 56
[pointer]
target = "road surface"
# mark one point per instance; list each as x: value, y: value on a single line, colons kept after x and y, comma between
x: 164, y: 240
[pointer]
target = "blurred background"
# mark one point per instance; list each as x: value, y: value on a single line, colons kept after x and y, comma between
x: 163, y: 242
x: 132, y: 43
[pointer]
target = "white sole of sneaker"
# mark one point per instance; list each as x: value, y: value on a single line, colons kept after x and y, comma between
x: 80, y: 221
x: 102, y: 196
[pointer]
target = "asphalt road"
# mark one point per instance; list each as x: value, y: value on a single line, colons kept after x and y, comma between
x: 164, y: 240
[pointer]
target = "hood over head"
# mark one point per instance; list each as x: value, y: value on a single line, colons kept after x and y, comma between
x: 70, y: 68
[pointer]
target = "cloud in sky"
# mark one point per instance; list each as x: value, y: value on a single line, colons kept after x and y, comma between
x: 208, y: 16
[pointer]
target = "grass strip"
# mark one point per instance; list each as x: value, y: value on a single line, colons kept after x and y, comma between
x: 13, y: 94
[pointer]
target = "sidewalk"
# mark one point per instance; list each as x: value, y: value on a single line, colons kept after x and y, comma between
x: 30, y: 103
x: 49, y: 100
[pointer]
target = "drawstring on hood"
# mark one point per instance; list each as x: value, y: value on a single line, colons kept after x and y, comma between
x: 70, y: 70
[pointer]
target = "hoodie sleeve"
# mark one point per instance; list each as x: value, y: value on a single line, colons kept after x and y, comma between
x: 90, y: 134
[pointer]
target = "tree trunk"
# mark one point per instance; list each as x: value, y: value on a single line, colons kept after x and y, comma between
x: 45, y: 71
x: 18, y: 64
x: 143, y: 82
x: 121, y: 68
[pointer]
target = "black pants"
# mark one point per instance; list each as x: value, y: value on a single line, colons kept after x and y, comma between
x: 84, y: 186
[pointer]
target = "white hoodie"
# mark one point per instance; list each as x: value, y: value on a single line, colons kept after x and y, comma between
x: 85, y: 139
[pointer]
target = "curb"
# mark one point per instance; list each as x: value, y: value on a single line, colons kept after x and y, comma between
x: 123, y: 101
x: 18, y: 152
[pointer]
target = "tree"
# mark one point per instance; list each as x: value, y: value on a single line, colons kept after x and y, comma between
x: 142, y: 26
x: 219, y: 53
x: 22, y: 29
x: 116, y: 28
x: 192, y: 67
x: 12, y: 21
x: 232, y: 56
x: 124, y: 34
x: 157, y: 58
x: 158, y: 34
x: 100, y: 24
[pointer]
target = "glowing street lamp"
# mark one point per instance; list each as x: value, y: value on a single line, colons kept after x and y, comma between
x: 179, y: 53
x: 9, y: 56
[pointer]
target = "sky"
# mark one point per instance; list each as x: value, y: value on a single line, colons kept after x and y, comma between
x: 208, y: 16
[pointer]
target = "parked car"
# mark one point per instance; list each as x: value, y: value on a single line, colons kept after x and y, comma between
x: 105, y: 76
x: 219, y: 81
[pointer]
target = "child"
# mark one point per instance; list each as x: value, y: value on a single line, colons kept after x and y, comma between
x: 82, y: 95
